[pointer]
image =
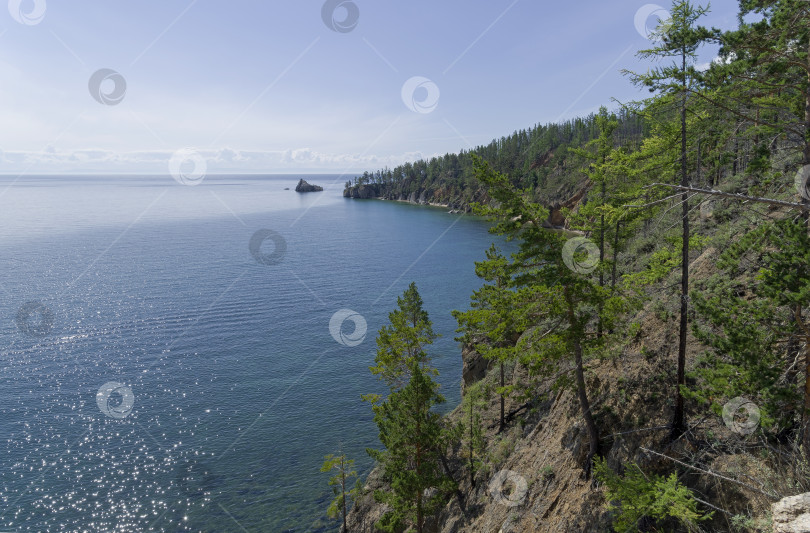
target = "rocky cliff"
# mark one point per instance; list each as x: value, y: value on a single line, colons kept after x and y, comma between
x: 303, y: 186
x: 534, y: 479
x: 420, y: 197
x: 463, y: 204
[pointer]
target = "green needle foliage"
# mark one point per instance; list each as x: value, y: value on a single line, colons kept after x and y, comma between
x: 411, y: 462
x: 470, y: 429
x: 494, y: 322
x: 343, y: 498
x: 636, y: 496
x: 402, y: 344
x: 411, y: 432
x: 680, y: 38
x: 555, y: 306
x: 757, y: 328
x: 729, y: 137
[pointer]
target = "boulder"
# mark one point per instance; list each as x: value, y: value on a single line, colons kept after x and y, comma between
x: 474, y: 367
x: 303, y: 186
x: 792, y: 514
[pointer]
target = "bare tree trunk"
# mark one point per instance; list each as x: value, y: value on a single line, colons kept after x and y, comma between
x: 615, y: 254
x: 472, y: 468
x: 805, y: 334
x: 582, y: 393
x: 502, y: 424
x: 678, y: 424
x: 343, y: 489
x: 806, y: 161
x: 601, y: 255
x: 419, y: 518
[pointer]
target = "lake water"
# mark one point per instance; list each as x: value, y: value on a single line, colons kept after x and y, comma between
x: 158, y: 374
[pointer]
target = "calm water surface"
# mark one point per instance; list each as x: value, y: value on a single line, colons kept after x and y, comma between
x: 226, y: 388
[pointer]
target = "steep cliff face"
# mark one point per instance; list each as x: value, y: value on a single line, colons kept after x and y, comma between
x: 436, y: 197
x: 566, y: 199
x: 363, y: 192
x: 534, y: 478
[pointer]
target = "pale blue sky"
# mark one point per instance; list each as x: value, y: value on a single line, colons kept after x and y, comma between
x: 267, y: 86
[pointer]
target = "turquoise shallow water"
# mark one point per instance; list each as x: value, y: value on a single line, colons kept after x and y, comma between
x: 225, y: 387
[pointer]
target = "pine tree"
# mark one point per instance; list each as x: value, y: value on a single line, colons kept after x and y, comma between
x: 557, y: 302
x: 636, y: 496
x: 493, y: 323
x: 401, y: 344
x: 746, y: 323
x: 345, y: 471
x: 679, y: 38
x: 411, y: 433
x: 470, y: 428
x: 598, y: 176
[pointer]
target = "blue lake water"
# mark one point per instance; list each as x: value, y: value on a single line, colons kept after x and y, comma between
x: 158, y: 376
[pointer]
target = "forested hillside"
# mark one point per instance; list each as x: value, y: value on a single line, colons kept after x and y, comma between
x: 538, y: 159
x: 647, y: 368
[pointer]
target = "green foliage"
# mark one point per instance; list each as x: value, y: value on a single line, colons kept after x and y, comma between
x: 411, y: 432
x: 536, y: 158
x: 749, y: 321
x: 343, y: 498
x: 535, y: 292
x: 741, y: 126
x: 401, y: 344
x: 470, y: 429
x: 636, y: 495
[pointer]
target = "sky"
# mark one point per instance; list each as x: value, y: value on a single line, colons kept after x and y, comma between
x: 264, y: 86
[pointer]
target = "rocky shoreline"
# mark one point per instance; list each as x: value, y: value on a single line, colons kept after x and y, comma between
x: 371, y: 192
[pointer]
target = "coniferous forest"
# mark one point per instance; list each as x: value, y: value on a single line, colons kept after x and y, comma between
x: 641, y: 362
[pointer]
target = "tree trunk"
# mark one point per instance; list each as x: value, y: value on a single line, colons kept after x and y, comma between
x: 418, y: 453
x: 593, y: 432
x: 582, y: 393
x: 806, y: 214
x: 472, y: 470
x: 804, y: 333
x: 343, y: 489
x: 601, y: 255
x: 615, y: 254
x: 502, y: 424
x: 678, y: 424
x: 735, y: 164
